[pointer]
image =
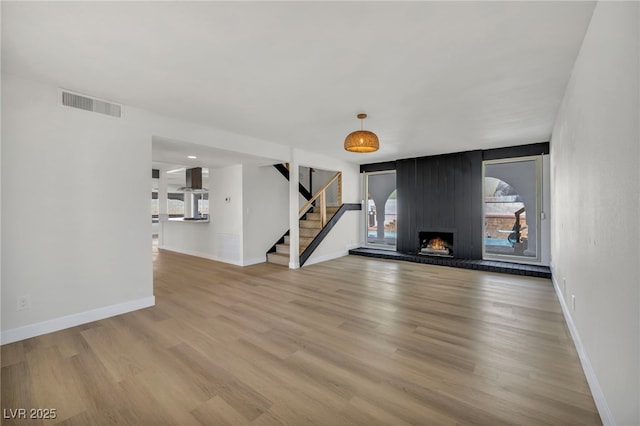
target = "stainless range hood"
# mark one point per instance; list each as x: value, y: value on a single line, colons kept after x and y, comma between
x: 194, y: 195
x: 194, y: 181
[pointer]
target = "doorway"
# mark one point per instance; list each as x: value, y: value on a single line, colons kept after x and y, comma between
x: 511, y: 209
x: 380, y: 210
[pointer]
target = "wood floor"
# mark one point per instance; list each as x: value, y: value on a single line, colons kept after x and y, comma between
x: 350, y: 341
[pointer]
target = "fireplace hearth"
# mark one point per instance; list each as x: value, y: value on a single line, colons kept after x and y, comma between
x: 436, y: 243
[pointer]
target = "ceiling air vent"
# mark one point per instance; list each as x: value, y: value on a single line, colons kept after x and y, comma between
x: 74, y: 100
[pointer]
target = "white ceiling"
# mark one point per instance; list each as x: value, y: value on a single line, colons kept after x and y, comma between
x: 170, y: 154
x: 434, y: 77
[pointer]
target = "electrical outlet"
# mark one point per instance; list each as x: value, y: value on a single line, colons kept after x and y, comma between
x: 23, y: 303
x: 573, y: 302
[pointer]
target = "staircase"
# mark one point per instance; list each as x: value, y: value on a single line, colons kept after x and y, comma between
x: 316, y: 221
x: 310, y: 227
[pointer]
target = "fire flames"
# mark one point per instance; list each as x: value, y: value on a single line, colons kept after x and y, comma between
x: 437, y: 244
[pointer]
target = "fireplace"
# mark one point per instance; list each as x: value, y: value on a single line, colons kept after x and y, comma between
x: 437, y: 243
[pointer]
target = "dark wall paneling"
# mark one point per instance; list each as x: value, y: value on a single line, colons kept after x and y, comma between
x: 476, y: 201
x: 378, y: 167
x: 516, y: 151
x: 444, y: 193
x: 408, y: 194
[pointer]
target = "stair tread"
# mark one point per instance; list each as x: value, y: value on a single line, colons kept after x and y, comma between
x: 302, y: 239
x: 286, y: 247
x: 278, y: 258
x: 309, y: 228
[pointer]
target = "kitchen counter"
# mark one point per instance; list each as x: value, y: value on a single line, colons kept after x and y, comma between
x: 180, y: 219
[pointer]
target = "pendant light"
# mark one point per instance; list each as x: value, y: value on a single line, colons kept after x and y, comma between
x: 361, y: 140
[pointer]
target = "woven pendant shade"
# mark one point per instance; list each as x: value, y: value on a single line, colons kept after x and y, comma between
x: 361, y: 140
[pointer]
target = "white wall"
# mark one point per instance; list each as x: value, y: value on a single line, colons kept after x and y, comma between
x: 595, y: 204
x: 346, y: 234
x: 220, y: 238
x: 75, y: 234
x: 320, y: 178
x: 84, y: 253
x: 266, y: 211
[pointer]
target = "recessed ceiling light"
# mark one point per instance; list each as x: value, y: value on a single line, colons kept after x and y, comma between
x: 193, y: 157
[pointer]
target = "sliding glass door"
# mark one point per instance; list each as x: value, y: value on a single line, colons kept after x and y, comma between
x: 512, y: 206
x: 380, y: 209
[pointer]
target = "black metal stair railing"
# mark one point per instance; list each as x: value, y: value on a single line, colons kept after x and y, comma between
x: 327, y: 225
x: 304, y: 256
x: 285, y: 172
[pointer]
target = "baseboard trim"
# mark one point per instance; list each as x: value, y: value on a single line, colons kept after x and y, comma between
x: 330, y: 256
x: 216, y: 258
x: 57, y: 324
x: 254, y: 261
x: 326, y: 257
x: 203, y: 255
x: 594, y: 385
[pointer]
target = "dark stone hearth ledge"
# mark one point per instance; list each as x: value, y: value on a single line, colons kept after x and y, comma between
x: 479, y: 265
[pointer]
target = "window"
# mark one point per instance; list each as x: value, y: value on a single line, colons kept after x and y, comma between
x: 512, y: 194
x: 381, y: 214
